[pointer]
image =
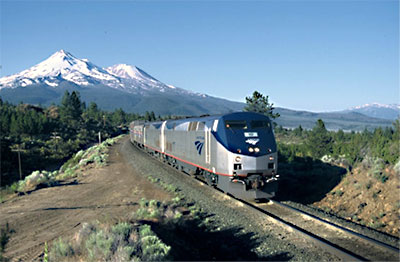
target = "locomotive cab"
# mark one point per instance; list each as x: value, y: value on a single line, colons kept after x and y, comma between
x: 252, y: 160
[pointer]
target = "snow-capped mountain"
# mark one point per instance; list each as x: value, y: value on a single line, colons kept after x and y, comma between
x: 134, y: 79
x: 121, y: 85
x: 130, y: 72
x: 385, y: 111
x: 63, y: 66
x: 132, y: 89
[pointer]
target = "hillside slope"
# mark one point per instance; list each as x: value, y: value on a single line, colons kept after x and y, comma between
x: 368, y: 195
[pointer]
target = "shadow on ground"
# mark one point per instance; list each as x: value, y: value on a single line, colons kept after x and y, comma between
x: 190, y: 240
x: 306, y: 180
x: 46, y: 185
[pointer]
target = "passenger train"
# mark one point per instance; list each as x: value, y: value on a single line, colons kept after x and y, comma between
x: 234, y: 152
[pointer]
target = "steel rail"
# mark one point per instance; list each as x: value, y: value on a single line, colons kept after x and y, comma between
x: 330, y: 247
x: 343, y: 229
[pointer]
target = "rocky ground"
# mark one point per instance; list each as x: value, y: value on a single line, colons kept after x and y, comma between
x: 113, y: 193
x: 368, y: 197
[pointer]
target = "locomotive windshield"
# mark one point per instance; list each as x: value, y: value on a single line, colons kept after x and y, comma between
x: 260, y: 124
x: 236, y: 124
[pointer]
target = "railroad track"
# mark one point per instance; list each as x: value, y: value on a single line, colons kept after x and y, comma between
x: 344, y: 243
x: 335, y: 239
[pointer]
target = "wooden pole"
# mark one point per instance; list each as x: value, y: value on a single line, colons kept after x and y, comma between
x: 17, y: 148
x: 0, y: 163
x: 19, y: 163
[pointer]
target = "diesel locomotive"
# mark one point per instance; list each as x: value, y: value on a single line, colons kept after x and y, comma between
x: 234, y: 152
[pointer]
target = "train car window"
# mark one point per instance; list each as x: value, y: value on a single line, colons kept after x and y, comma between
x: 157, y: 126
x: 192, y: 126
x: 201, y: 126
x: 182, y: 126
x: 170, y: 125
x: 215, y: 125
x: 236, y: 124
x: 260, y: 124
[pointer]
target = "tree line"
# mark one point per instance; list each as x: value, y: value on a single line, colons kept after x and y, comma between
x: 46, y: 136
x: 382, y: 143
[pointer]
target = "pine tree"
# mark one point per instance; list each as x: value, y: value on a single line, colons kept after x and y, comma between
x: 319, y: 141
x: 147, y: 116
x: 298, y: 131
x: 152, y: 116
x: 259, y: 103
x: 118, y: 117
x: 71, y: 106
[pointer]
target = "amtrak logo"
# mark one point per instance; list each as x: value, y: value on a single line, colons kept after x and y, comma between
x: 199, y: 145
x: 252, y: 141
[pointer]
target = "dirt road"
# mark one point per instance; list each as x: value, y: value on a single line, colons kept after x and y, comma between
x: 109, y: 193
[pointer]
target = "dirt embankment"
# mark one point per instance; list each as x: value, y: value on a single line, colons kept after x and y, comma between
x: 367, y: 198
x: 109, y: 193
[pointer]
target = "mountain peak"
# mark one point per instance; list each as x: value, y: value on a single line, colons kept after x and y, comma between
x: 129, y: 72
x: 63, y: 54
x: 377, y: 105
x: 62, y: 66
x: 377, y: 110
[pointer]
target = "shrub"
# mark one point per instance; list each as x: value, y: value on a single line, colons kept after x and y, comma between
x: 46, y: 253
x: 338, y: 193
x: 4, y: 237
x: 149, y: 209
x: 122, y: 229
x: 60, y: 250
x: 153, y: 249
x: 99, y: 245
x: 376, y: 225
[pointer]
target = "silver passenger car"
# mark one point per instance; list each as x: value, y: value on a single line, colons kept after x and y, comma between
x: 235, y: 152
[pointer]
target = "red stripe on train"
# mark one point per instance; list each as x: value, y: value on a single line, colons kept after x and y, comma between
x: 187, y: 162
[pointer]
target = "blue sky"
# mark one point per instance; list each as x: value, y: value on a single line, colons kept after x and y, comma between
x: 310, y: 55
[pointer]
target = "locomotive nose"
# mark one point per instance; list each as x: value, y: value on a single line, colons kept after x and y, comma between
x: 244, y: 166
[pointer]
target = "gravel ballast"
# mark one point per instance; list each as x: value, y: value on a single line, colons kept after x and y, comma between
x: 270, y: 241
x: 363, y: 230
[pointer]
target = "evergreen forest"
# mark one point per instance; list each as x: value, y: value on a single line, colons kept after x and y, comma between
x: 350, y: 147
x: 44, y: 137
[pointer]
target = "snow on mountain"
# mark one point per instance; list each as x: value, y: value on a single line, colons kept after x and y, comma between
x: 377, y: 105
x: 384, y: 111
x: 63, y: 66
x: 130, y: 72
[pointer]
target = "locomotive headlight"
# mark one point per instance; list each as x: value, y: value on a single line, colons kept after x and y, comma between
x: 271, y: 158
x: 256, y: 150
x: 238, y: 158
x: 251, y: 150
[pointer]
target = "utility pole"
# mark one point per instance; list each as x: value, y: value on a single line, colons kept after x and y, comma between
x: 17, y: 148
x: 55, y: 137
x: 0, y: 162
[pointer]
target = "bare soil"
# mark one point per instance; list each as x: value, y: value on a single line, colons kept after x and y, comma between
x: 362, y: 198
x: 105, y: 194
